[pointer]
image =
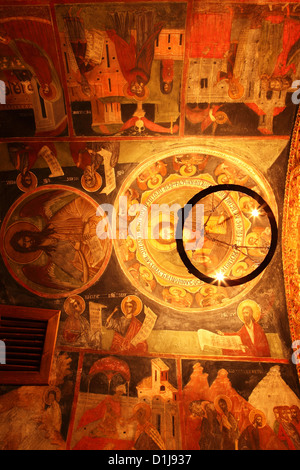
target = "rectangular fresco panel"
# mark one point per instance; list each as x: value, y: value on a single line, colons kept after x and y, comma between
x: 240, y: 81
x: 46, y: 410
x: 230, y: 406
x: 30, y: 69
x: 123, y: 65
x: 124, y: 404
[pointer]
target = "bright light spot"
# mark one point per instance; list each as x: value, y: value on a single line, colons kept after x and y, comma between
x: 255, y: 213
x: 219, y: 276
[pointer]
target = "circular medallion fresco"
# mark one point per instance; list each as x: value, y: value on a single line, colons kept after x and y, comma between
x: 147, y: 207
x: 49, y: 242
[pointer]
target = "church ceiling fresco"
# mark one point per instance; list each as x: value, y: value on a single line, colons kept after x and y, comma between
x: 146, y: 104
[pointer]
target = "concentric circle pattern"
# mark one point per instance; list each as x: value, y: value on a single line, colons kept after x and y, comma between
x: 154, y: 193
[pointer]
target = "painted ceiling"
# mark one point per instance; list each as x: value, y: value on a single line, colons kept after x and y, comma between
x: 151, y: 103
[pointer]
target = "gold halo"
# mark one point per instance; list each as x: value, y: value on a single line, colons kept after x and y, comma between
x: 13, y: 255
x: 184, y: 172
x: 136, y: 299
x: 243, y: 200
x: 223, y: 177
x: 252, y: 235
x: 146, y: 273
x: 252, y: 304
x: 155, y: 185
x: 68, y: 301
x: 145, y: 407
x: 177, y: 291
x: 255, y: 412
x: 57, y: 394
x: 205, y: 290
x: 241, y: 264
x: 32, y: 186
x: 133, y: 96
x: 51, y: 96
x: 131, y: 244
x: 221, y: 117
x: 224, y: 397
x: 96, y: 186
x: 237, y: 91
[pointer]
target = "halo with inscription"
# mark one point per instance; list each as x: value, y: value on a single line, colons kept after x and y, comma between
x: 150, y: 241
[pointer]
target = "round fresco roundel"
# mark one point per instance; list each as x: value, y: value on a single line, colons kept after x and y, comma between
x: 146, y: 209
x: 49, y: 242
